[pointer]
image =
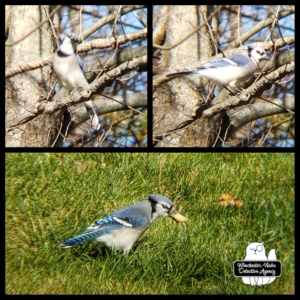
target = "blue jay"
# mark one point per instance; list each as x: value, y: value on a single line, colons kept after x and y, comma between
x: 68, y: 67
x: 122, y: 228
x: 230, y: 70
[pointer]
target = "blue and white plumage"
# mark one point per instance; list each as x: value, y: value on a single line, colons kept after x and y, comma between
x: 67, y: 64
x: 68, y: 67
x: 230, y: 70
x: 122, y: 228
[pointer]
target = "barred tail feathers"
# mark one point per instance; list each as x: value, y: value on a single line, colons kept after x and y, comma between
x: 79, y: 239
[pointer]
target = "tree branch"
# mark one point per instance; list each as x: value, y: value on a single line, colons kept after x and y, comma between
x: 247, y: 113
x: 112, y: 42
x: 63, y: 100
x: 259, y: 26
x: 99, y: 44
x: 252, y: 91
x: 105, y: 105
x: 108, y: 19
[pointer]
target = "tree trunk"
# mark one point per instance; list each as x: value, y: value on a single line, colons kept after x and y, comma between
x: 25, y: 89
x: 177, y: 103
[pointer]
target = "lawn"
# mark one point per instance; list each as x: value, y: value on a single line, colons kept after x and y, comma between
x: 51, y: 197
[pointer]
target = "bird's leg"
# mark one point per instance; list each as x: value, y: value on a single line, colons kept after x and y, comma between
x: 230, y: 92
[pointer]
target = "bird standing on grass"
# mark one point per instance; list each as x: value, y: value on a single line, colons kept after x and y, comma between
x: 121, y: 229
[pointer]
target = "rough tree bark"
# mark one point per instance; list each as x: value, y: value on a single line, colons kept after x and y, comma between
x: 26, y: 89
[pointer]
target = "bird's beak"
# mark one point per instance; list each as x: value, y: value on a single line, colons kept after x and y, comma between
x: 176, y: 216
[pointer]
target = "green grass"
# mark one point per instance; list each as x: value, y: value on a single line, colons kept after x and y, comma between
x: 52, y: 197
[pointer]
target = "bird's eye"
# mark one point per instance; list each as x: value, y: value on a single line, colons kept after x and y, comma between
x: 165, y: 206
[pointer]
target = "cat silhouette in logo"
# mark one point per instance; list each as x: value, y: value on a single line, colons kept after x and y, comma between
x: 256, y: 252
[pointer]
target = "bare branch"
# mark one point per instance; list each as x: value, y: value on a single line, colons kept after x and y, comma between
x: 105, y: 105
x: 247, y: 113
x: 253, y: 90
